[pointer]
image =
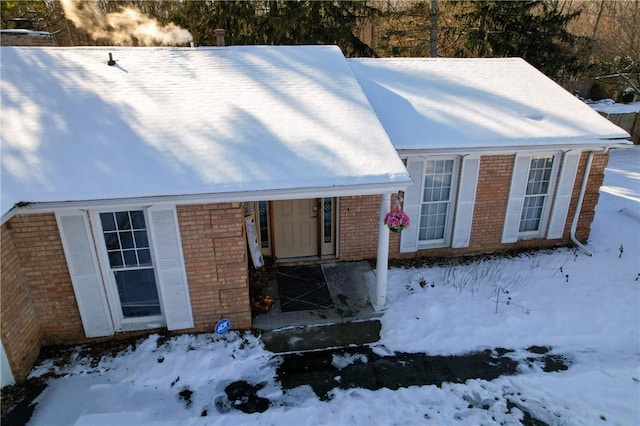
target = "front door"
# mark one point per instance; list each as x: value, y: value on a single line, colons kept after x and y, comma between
x: 296, y: 228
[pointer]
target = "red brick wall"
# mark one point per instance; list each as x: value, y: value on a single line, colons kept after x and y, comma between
x: 358, y: 227
x: 39, y: 248
x: 358, y: 241
x: 20, y: 328
x: 592, y: 194
x: 214, y: 246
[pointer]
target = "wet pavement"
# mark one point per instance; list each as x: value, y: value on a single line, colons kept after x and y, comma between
x: 323, y: 371
x: 362, y: 367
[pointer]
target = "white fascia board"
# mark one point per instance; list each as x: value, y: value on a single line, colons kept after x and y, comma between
x: 617, y: 143
x: 222, y: 197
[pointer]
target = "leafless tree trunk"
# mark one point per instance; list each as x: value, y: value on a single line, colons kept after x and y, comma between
x: 433, y: 35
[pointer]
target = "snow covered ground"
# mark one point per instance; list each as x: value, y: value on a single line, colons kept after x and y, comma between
x: 586, y: 308
x: 609, y: 106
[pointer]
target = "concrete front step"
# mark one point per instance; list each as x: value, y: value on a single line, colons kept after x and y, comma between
x: 321, y: 336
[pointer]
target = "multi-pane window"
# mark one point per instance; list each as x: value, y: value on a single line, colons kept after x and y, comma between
x: 538, y: 186
x: 436, y: 200
x: 127, y: 243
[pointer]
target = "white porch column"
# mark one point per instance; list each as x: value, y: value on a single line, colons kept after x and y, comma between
x: 382, y: 265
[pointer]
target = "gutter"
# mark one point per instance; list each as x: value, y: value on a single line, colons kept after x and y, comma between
x: 219, y: 197
x: 583, y: 188
x: 497, y: 150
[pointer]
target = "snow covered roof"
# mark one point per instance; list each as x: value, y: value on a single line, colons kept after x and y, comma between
x: 180, y: 121
x: 433, y: 103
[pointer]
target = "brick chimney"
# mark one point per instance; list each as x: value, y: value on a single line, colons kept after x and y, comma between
x: 219, y: 32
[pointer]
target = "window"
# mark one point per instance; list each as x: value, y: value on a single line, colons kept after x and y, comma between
x: 127, y: 243
x: 436, y: 203
x: 121, y: 265
x: 536, y: 195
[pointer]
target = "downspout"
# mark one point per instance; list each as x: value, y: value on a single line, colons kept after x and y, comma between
x: 583, y: 189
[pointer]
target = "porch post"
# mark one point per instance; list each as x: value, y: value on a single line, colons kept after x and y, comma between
x: 380, y: 295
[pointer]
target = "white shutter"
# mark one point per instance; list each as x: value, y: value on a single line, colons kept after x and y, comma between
x: 412, y: 200
x: 466, y: 201
x: 518, y: 190
x: 172, y: 278
x: 85, y: 275
x: 563, y: 195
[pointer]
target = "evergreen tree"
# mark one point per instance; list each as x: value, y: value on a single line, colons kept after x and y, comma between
x: 317, y: 22
x: 531, y: 29
x: 277, y: 22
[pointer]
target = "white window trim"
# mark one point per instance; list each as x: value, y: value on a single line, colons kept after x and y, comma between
x: 448, y: 229
x: 120, y: 323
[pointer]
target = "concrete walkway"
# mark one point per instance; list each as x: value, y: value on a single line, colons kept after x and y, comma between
x: 352, y: 320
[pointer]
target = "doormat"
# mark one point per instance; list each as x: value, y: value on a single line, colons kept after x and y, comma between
x: 303, y: 288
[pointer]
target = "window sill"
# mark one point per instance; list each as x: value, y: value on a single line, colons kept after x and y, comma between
x: 433, y: 246
x: 142, y: 324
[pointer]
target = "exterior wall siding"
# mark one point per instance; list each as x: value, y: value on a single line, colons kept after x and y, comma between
x: 214, y: 247
x: 20, y: 326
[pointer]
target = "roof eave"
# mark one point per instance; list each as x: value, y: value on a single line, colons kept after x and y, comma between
x: 221, y: 197
x: 509, y: 149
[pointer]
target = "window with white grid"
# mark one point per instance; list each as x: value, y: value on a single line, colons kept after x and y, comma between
x: 127, y: 243
x: 537, y: 193
x: 436, y: 201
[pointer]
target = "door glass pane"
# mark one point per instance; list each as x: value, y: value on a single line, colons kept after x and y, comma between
x: 263, y: 223
x: 138, y: 293
x: 327, y: 220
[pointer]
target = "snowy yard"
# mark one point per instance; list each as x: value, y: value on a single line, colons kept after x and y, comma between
x: 585, y: 308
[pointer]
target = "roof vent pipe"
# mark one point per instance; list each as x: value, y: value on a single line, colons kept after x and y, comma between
x: 219, y: 32
x: 111, y: 62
